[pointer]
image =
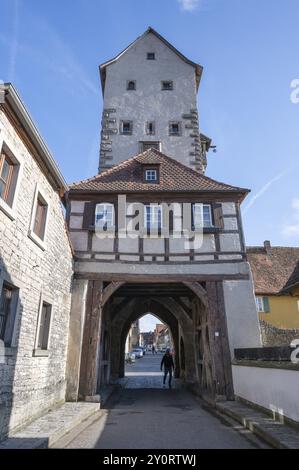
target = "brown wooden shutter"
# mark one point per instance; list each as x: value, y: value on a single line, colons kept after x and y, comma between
x: 89, y: 215
x: 218, y: 217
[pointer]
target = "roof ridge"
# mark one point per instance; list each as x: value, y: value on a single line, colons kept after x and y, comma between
x: 162, y: 155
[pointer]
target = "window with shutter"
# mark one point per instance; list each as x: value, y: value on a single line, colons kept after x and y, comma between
x: 8, y: 174
x: 218, y: 215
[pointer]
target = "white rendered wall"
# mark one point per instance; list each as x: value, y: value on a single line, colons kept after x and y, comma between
x: 274, y: 389
x: 148, y: 102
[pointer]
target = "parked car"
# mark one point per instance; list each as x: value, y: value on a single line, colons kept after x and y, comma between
x: 138, y: 352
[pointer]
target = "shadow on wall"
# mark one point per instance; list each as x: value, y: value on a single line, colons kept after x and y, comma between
x: 11, y: 309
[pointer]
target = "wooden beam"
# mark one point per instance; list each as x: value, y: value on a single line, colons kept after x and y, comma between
x: 109, y: 290
x: 199, y: 291
x: 128, y: 277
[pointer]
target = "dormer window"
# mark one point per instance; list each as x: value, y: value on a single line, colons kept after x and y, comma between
x: 150, y: 56
x: 167, y: 85
x: 131, y: 85
x: 151, y: 175
x: 126, y: 127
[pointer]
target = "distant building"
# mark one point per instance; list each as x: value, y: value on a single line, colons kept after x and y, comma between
x: 276, y: 283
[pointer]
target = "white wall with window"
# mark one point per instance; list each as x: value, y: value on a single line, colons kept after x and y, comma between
x: 104, y: 216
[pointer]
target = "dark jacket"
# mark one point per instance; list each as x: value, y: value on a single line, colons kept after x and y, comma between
x: 167, y: 361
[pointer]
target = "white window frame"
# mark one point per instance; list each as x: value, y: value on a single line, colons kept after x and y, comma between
x: 8, y: 210
x: 105, y: 206
x: 147, y: 131
x: 259, y: 301
x: 150, y: 172
x: 36, y: 351
x: 202, y: 224
x: 31, y: 234
x: 152, y: 226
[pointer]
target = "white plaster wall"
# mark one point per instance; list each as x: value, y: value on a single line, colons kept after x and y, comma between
x: 241, y: 315
x: 274, y: 389
x: 149, y: 102
x: 228, y: 208
x: 230, y: 242
x: 79, y: 240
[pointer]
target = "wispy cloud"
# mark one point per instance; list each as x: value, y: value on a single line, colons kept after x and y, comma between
x: 189, y: 5
x: 14, y: 40
x: 59, y: 59
x: 264, y: 189
x: 292, y: 230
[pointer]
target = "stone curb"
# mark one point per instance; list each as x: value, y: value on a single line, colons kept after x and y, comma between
x: 275, y: 433
x: 43, y: 432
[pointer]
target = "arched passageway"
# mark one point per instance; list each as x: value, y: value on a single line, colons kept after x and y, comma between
x: 201, y: 360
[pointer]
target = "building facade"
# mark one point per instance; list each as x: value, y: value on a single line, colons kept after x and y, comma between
x: 276, y: 296
x: 150, y: 100
x: 35, y: 270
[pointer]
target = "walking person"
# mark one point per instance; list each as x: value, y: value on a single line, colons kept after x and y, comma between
x: 167, y: 362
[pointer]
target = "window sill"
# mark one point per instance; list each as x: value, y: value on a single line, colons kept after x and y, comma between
x: 37, y: 240
x: 40, y: 353
x: 7, y: 209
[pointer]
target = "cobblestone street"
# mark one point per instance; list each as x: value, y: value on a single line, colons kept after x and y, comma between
x: 144, y: 415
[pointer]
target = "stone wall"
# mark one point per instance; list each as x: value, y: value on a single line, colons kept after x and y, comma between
x: 272, y: 336
x: 30, y: 385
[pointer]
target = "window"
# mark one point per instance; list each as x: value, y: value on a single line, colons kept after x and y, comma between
x: 40, y: 217
x: 202, y: 216
x: 8, y: 173
x: 131, y: 85
x: 262, y: 304
x: 150, y: 56
x: 153, y: 217
x: 8, y: 307
x: 150, y: 128
x: 167, y: 85
x: 104, y: 216
x: 126, y: 127
x: 44, y: 326
x: 149, y: 144
x: 174, y: 128
x: 151, y: 175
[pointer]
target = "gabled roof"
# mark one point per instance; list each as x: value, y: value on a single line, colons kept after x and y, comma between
x: 173, y: 177
x: 293, y: 280
x: 198, y: 68
x: 271, y: 267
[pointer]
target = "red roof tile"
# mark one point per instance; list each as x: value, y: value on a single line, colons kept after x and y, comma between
x: 272, y: 267
x: 173, y: 177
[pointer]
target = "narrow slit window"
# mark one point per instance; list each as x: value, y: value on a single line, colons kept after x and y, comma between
x: 131, y: 85
x: 8, y: 174
x: 44, y: 326
x: 40, y: 217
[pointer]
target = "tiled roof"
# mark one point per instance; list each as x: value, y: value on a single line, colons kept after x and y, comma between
x: 272, y: 267
x: 293, y: 280
x: 173, y: 177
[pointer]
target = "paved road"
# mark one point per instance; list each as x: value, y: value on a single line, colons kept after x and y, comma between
x: 155, y: 418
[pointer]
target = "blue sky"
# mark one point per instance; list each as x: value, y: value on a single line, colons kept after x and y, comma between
x: 51, y: 50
